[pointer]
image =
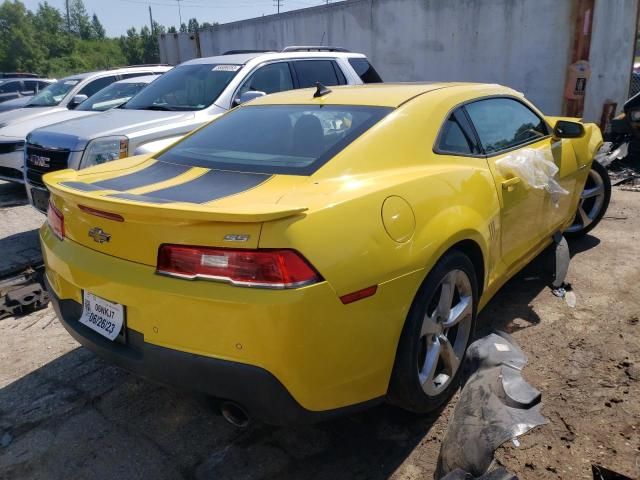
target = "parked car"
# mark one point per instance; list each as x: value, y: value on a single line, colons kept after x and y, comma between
x: 13, y: 88
x: 45, y: 108
x: 14, y: 104
x: 18, y: 75
x: 187, y: 97
x: 313, y: 251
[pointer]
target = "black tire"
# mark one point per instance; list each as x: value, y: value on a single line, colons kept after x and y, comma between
x: 405, y: 388
x: 577, y: 229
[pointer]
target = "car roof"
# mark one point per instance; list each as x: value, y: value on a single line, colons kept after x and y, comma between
x: 243, y: 58
x: 141, y: 68
x: 379, y: 94
x: 140, y: 79
x: 38, y: 79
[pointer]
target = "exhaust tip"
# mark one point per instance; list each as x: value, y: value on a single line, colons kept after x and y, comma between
x: 235, y: 414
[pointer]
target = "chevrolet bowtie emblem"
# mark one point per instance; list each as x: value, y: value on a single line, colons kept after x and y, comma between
x: 99, y: 235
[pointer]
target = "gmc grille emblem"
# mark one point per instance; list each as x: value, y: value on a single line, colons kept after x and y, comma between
x: 39, y: 161
x: 99, y: 235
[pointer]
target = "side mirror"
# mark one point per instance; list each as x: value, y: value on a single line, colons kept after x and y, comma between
x: 248, y: 96
x: 77, y: 100
x: 567, y: 129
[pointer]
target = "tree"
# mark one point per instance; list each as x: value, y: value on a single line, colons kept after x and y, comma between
x: 132, y: 47
x: 193, y: 26
x: 183, y: 28
x: 97, y: 29
x: 149, y: 42
x: 80, y: 23
x: 172, y: 29
x: 20, y: 48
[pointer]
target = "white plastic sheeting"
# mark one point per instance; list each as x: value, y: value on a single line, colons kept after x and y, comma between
x: 536, y: 168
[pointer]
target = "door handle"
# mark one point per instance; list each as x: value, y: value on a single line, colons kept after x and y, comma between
x: 510, y: 184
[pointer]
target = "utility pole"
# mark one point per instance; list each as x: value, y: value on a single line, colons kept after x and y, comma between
x: 151, y: 21
x: 68, y: 17
x: 179, y: 12
x: 279, y: 4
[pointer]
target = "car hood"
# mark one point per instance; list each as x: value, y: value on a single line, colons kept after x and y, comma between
x: 13, y: 104
x: 24, y: 114
x: 75, y: 134
x: 21, y: 127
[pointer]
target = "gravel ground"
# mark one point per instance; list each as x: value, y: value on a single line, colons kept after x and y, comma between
x: 66, y: 414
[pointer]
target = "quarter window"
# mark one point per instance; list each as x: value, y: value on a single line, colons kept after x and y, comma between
x: 454, y: 139
x: 312, y: 71
x: 365, y: 70
x: 10, y: 87
x: 503, y: 123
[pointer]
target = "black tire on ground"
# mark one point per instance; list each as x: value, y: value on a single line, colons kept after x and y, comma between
x: 405, y: 388
x: 577, y: 229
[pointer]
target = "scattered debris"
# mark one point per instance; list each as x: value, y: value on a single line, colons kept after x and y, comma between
x: 496, y: 405
x: 23, y: 293
x: 601, y: 473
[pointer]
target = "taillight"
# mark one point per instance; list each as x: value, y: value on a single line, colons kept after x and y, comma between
x: 247, y: 268
x: 55, y: 219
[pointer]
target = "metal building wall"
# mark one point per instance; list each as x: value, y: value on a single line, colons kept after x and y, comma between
x: 525, y: 44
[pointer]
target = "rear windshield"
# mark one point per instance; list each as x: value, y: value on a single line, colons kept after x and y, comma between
x: 365, y: 70
x: 112, y: 96
x: 188, y: 87
x: 53, y: 94
x: 285, y: 139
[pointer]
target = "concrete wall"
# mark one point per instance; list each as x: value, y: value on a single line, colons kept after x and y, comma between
x: 525, y: 44
x: 178, y: 47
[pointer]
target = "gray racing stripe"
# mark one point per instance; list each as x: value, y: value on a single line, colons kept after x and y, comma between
x: 84, y: 187
x: 211, y: 186
x: 138, y: 198
x: 158, y: 172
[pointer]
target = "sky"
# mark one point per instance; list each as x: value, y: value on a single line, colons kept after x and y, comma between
x: 118, y: 15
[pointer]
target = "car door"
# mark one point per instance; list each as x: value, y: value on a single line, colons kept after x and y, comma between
x: 504, y: 127
x: 96, y: 85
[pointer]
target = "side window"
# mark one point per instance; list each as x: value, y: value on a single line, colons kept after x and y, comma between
x: 10, y: 87
x: 30, y: 86
x: 272, y: 78
x: 503, y: 123
x: 42, y: 85
x: 365, y: 70
x: 455, y: 136
x: 311, y: 71
x: 97, y: 85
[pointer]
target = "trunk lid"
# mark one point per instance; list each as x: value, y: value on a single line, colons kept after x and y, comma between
x: 130, y: 208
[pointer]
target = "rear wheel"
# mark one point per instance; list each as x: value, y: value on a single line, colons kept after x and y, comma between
x: 594, y: 201
x: 435, y: 336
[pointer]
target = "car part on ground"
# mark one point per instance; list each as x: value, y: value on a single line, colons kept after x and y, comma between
x: 594, y: 201
x: 193, y: 93
x: 23, y: 293
x: 496, y: 405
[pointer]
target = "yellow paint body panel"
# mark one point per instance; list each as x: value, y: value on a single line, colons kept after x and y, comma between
x: 381, y: 212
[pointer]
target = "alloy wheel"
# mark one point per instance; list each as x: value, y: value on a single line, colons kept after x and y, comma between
x: 592, y: 200
x: 445, y: 331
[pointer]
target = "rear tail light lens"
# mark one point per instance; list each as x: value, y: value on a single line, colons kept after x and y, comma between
x: 247, y: 268
x: 55, y: 219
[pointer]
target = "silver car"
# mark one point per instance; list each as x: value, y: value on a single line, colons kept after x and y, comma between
x: 188, y: 96
x: 52, y: 105
x: 21, y: 88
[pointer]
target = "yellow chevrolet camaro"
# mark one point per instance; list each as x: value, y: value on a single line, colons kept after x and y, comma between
x: 317, y: 251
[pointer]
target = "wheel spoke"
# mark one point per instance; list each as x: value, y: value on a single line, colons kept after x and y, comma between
x: 460, y: 311
x: 449, y: 357
x: 592, y: 192
x: 446, y: 297
x: 584, y: 218
x: 428, y: 370
x: 430, y: 326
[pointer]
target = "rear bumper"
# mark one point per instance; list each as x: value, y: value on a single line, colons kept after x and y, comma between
x: 315, y: 356
x: 263, y: 396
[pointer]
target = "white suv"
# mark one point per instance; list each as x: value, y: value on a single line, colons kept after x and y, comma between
x: 191, y: 94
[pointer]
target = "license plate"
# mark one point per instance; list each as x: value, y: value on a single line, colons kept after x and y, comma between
x: 102, y: 316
